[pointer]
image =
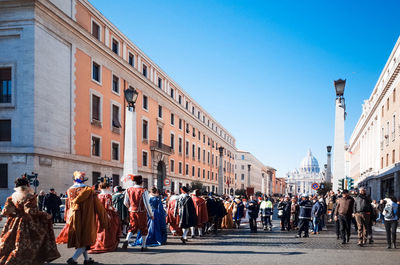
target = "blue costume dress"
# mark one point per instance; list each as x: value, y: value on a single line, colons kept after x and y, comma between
x: 157, y: 234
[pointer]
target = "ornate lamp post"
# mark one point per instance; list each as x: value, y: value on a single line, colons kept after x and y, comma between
x: 130, y: 146
x: 340, y: 113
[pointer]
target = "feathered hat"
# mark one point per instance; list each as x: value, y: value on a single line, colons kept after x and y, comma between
x: 79, y: 177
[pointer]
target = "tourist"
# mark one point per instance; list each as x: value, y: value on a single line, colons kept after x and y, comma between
x: 343, y: 213
x: 391, y: 217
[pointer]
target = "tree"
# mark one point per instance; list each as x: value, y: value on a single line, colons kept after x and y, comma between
x: 196, y: 185
x: 324, y: 188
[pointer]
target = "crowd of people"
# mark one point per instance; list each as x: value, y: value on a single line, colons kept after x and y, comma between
x: 97, y: 217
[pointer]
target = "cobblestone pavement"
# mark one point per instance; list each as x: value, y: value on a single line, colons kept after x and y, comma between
x: 242, y: 247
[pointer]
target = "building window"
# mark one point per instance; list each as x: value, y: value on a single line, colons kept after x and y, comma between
x: 394, y: 95
x: 5, y: 85
x: 187, y: 148
x: 194, y: 132
x: 144, y: 71
x: 172, y: 141
x: 115, y: 151
x: 160, y: 111
x: 180, y: 99
x: 187, y: 170
x: 96, y: 30
x: 193, y: 110
x: 180, y: 167
x: 160, y: 135
x: 159, y: 83
x: 95, y: 146
x: 193, y: 151
x: 115, y: 117
x: 180, y: 145
x: 172, y: 119
x: 198, y: 153
x: 393, y: 156
x: 172, y: 93
x: 5, y: 130
x: 144, y: 158
x: 198, y: 173
x: 242, y: 157
x: 193, y: 171
x: 96, y: 108
x: 172, y: 169
x: 208, y: 174
x: 204, y: 173
x: 387, y: 104
x: 242, y: 177
x: 3, y: 176
x: 187, y: 128
x: 115, y: 46
x: 96, y: 72
x: 212, y: 175
x: 180, y: 124
x: 145, y: 102
x: 95, y: 177
x: 381, y: 162
x: 187, y: 105
x: 115, y: 84
x: 132, y: 59
x: 144, y: 130
x: 204, y: 156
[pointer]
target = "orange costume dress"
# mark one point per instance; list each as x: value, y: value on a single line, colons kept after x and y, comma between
x: 81, y: 208
x: 27, y: 236
x: 173, y: 220
x: 201, y: 210
x: 107, y: 239
x: 227, y: 221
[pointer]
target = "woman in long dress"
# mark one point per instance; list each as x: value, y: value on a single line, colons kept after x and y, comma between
x: 157, y: 234
x: 107, y: 239
x: 27, y: 236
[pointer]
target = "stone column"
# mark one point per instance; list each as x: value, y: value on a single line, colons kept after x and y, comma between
x: 130, y: 147
x: 248, y: 175
x: 221, y: 171
x: 262, y: 183
x: 328, y: 164
x: 338, y: 151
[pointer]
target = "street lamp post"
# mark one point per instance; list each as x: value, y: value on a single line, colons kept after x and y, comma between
x: 130, y: 146
x: 328, y: 177
x: 340, y: 115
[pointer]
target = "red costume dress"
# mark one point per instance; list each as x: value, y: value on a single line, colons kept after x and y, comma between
x: 173, y: 220
x: 201, y: 210
x: 107, y: 239
x: 137, y: 202
x: 27, y: 236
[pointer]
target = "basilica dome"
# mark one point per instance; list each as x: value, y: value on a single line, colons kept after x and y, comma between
x: 309, y: 164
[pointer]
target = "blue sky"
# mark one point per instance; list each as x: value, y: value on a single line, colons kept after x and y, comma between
x: 265, y: 69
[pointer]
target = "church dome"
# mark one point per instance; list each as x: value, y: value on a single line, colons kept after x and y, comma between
x: 309, y: 164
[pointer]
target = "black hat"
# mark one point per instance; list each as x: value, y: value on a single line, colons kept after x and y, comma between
x: 185, y: 189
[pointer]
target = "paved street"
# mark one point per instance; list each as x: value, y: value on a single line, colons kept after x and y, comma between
x: 241, y: 247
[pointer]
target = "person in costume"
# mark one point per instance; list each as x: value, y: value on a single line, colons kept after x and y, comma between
x: 107, y: 239
x: 118, y: 203
x: 172, y: 219
x: 27, y: 236
x: 227, y: 221
x: 157, y: 234
x: 187, y: 213
x: 138, y: 203
x: 82, y: 206
x: 238, y: 211
x: 201, y: 213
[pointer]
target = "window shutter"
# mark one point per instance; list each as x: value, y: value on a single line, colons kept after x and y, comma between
x: 95, y: 108
x: 116, y: 122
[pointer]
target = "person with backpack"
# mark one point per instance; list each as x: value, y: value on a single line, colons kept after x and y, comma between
x: 391, y: 217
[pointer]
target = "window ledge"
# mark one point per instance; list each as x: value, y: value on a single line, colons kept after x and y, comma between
x: 96, y: 123
x: 116, y: 130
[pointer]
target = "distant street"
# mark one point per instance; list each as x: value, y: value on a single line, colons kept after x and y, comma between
x: 241, y: 247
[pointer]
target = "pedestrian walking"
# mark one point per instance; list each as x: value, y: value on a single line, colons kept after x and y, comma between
x: 266, y: 213
x: 51, y: 203
x: 252, y: 211
x: 316, y: 212
x: 362, y: 213
x: 305, y: 206
x: 343, y: 213
x: 83, y: 209
x: 41, y: 196
x: 391, y: 217
x: 187, y: 213
x: 27, y: 236
x: 138, y: 203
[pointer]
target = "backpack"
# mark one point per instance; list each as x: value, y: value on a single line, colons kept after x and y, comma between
x: 389, y: 213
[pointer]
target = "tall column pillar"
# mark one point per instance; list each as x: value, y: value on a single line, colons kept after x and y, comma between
x: 248, y: 175
x: 130, y: 147
x: 262, y: 183
x: 221, y: 171
x: 328, y: 164
x: 338, y: 155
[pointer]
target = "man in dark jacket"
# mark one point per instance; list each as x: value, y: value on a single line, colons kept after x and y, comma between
x: 252, y: 210
x: 304, y: 215
x: 52, y: 204
x: 187, y: 213
x: 362, y: 212
x: 343, y: 213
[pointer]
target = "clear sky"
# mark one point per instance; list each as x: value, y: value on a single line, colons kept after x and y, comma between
x: 265, y: 69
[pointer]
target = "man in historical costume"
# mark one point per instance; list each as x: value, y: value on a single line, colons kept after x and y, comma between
x: 107, y: 239
x: 27, y: 236
x: 227, y: 221
x: 81, y: 207
x: 187, y: 213
x: 238, y: 211
x: 201, y: 212
x: 138, y: 204
x: 172, y: 219
x: 118, y: 203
